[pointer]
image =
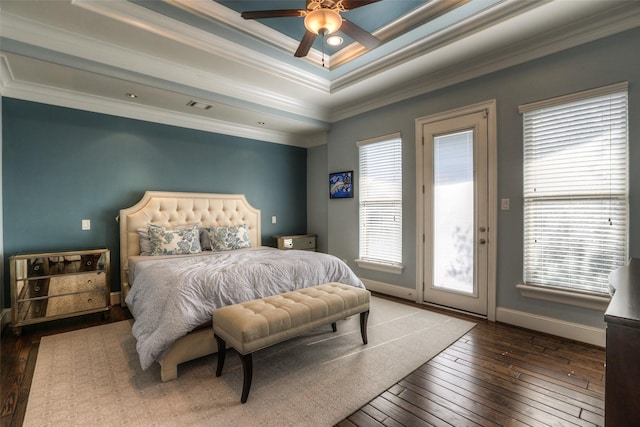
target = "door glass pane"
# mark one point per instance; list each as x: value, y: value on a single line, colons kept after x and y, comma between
x: 453, y: 212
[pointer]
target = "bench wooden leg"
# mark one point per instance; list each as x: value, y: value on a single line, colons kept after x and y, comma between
x: 222, y: 350
x: 364, y: 316
x: 247, y: 367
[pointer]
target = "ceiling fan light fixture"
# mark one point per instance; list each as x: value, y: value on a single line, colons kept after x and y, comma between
x: 323, y: 21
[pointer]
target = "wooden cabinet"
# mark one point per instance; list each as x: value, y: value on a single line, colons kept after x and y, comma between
x: 306, y: 242
x: 622, y: 374
x: 55, y: 285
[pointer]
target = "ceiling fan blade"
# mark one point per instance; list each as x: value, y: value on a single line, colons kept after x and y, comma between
x: 352, y: 4
x: 259, y: 14
x: 359, y: 35
x: 305, y: 44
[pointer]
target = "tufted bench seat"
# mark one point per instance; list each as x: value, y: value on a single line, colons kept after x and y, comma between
x: 254, y: 325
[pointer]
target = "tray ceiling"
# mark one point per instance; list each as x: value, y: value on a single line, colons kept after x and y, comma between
x: 242, y: 75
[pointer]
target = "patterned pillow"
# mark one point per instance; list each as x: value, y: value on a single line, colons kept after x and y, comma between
x: 227, y: 238
x: 178, y: 240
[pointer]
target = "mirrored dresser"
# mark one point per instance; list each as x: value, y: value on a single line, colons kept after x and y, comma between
x: 55, y: 285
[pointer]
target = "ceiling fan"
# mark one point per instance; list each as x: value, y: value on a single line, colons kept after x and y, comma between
x: 322, y: 17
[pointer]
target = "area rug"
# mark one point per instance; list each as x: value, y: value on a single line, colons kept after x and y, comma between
x: 92, y: 377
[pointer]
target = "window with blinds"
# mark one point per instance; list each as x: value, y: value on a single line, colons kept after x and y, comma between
x: 380, y: 192
x: 575, y: 189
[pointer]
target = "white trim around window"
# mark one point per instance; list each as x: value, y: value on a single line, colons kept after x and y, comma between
x: 591, y: 301
x: 380, y: 203
x: 575, y: 191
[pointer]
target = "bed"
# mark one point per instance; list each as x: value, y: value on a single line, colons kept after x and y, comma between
x: 157, y: 286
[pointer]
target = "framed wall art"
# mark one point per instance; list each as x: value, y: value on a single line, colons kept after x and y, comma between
x: 341, y: 185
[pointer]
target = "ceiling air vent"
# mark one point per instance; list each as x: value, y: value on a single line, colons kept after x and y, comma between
x: 198, y: 104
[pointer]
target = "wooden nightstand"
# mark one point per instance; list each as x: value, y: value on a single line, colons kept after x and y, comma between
x: 305, y: 242
x: 55, y: 285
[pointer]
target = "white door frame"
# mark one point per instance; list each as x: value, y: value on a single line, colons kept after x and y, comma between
x: 492, y: 202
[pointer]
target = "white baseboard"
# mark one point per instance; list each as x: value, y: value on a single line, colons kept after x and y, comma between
x: 392, y: 290
x: 574, y: 331
x: 549, y: 325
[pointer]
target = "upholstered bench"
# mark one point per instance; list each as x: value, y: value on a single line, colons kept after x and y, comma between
x: 257, y: 324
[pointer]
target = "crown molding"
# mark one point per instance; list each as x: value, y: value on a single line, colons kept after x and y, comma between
x: 626, y: 17
x: 98, y: 57
x: 104, y: 58
x: 420, y: 15
x: 6, y: 76
x: 458, y: 31
x: 96, y: 104
x: 220, y: 14
x: 138, y: 16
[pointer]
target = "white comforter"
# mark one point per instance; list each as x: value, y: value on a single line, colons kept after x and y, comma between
x: 172, y: 296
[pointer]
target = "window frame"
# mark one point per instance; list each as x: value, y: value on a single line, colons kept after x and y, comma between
x: 394, y: 266
x: 592, y: 299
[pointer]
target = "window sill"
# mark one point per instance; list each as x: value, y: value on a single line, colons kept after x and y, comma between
x: 387, y: 268
x: 591, y: 301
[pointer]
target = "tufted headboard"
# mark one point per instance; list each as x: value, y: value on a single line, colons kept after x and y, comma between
x: 175, y: 208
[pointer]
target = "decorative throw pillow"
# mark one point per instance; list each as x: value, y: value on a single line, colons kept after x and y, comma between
x: 178, y: 240
x: 145, y: 243
x: 227, y: 238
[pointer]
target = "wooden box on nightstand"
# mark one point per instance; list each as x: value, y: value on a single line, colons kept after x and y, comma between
x: 305, y: 242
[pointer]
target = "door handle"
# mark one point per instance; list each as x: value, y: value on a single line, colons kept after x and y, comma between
x: 482, y: 241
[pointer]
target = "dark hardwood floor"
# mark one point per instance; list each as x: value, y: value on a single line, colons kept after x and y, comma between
x: 18, y: 359
x: 495, y: 375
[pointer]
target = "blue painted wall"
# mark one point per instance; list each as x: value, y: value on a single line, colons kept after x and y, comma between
x: 61, y: 166
x: 610, y: 60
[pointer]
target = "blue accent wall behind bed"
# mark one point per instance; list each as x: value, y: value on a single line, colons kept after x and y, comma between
x: 61, y: 166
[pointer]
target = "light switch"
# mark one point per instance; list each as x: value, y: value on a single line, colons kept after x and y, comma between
x: 504, y: 204
x: 86, y: 224
x: 273, y: 219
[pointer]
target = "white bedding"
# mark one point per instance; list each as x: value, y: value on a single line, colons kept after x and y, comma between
x: 171, y: 296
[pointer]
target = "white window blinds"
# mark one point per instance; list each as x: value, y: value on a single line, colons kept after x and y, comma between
x: 575, y: 189
x: 380, y: 193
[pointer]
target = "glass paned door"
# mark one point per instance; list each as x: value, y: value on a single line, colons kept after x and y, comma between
x: 456, y: 212
x: 453, y: 207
